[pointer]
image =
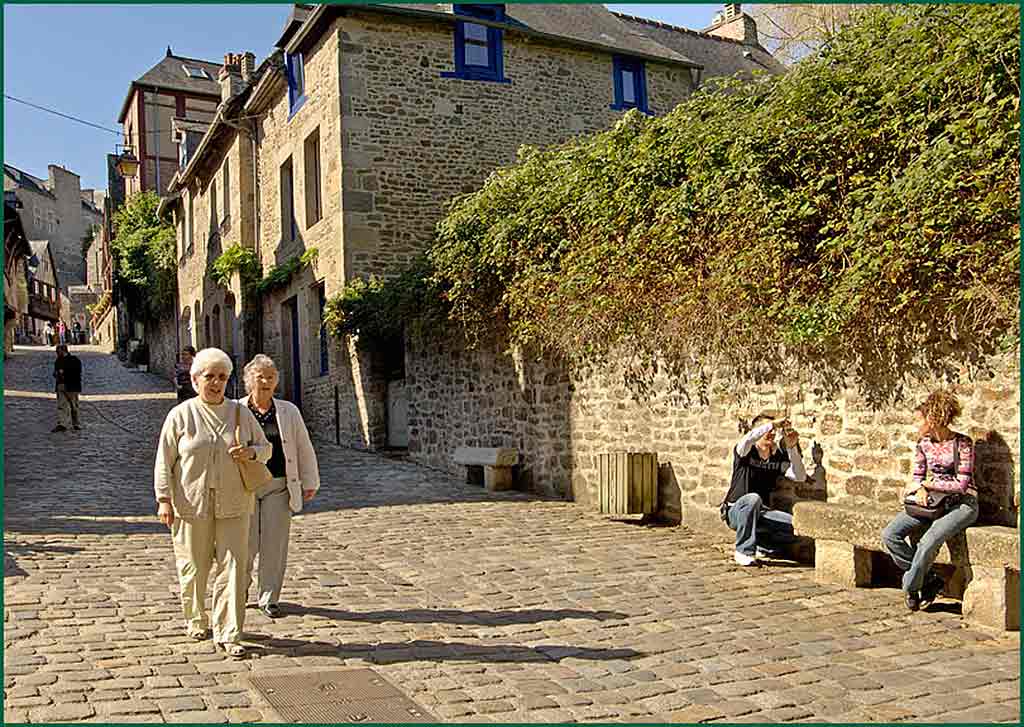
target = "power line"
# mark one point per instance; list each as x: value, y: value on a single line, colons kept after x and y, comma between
x: 66, y: 116
x: 75, y: 118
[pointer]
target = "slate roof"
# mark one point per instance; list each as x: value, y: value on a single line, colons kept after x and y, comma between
x: 170, y: 74
x: 718, y: 56
x: 591, y: 25
x: 26, y: 180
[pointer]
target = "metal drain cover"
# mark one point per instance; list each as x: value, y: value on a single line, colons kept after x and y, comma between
x: 338, y: 696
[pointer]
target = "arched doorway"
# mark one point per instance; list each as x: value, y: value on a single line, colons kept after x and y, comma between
x: 217, y: 329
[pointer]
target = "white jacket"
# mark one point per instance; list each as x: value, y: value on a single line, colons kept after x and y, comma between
x: 300, y: 465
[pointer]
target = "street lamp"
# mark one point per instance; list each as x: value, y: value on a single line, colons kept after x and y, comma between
x: 127, y: 163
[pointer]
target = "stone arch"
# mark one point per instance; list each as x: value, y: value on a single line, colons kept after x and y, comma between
x: 197, y: 342
x: 185, y: 323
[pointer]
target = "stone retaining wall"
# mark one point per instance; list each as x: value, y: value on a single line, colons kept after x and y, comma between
x: 486, y: 398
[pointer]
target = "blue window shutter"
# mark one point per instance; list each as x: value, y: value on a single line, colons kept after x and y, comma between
x: 296, y: 75
x: 634, y: 66
x: 495, y: 68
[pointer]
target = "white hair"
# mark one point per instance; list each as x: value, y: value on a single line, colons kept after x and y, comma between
x: 259, y: 361
x: 211, y: 358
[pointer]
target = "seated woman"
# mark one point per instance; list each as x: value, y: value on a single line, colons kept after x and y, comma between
x: 944, y: 462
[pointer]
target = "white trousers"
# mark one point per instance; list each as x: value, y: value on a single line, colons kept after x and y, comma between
x: 197, y: 545
x: 269, y: 528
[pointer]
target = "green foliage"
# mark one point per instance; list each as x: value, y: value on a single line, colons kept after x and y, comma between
x: 144, y: 253
x: 379, y: 309
x: 279, y: 275
x: 858, y: 215
x: 97, y: 309
x: 236, y: 259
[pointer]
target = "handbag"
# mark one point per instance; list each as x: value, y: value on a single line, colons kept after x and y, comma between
x: 938, y: 503
x: 254, y: 473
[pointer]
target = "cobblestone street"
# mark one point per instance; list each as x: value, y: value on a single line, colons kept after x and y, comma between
x: 481, y: 607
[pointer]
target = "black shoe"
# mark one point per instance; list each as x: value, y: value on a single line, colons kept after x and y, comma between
x: 272, y: 610
x: 59, y: 428
x: 913, y: 600
x: 933, y: 585
x: 77, y: 428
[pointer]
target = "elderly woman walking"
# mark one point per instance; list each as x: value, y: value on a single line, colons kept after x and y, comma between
x: 203, y: 501
x: 296, y: 480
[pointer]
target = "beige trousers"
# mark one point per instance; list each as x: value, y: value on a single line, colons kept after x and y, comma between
x: 269, y: 528
x: 197, y: 545
x: 67, y: 407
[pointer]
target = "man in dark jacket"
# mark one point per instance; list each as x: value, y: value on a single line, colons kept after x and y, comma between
x: 757, y: 464
x: 67, y: 373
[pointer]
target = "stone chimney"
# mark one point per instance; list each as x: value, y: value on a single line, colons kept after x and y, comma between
x: 248, y: 66
x: 230, y: 77
x: 735, y: 24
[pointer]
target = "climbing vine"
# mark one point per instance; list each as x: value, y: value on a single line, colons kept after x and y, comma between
x: 380, y: 310
x: 234, y: 259
x: 858, y: 215
x: 280, y: 275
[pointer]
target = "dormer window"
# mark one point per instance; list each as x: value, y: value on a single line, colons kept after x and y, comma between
x: 196, y: 72
x: 629, y: 81
x: 478, y: 49
x: 295, y: 69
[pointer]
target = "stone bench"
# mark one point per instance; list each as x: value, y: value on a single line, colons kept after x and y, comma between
x: 496, y: 461
x: 845, y: 536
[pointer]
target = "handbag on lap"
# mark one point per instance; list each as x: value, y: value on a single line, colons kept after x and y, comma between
x: 938, y: 503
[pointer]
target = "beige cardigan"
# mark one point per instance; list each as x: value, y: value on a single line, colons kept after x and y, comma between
x: 300, y: 466
x: 191, y: 459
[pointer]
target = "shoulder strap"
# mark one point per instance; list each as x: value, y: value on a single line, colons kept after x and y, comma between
x: 956, y: 456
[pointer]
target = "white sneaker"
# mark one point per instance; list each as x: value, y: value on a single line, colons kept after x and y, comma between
x: 744, y: 560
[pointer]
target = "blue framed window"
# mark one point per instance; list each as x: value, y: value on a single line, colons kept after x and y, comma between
x: 478, y: 49
x: 630, y: 83
x: 295, y: 68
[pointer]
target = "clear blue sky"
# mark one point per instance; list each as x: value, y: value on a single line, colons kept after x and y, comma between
x: 80, y: 60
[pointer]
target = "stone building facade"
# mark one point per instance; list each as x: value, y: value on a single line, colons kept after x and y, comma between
x: 368, y: 121
x: 398, y: 133
x: 175, y: 87
x: 212, y: 198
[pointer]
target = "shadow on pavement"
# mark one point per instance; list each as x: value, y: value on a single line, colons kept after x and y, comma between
x: 391, y: 653
x: 453, y: 616
x: 13, y: 549
x: 82, y: 526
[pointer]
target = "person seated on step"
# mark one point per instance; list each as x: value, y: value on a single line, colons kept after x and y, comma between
x: 757, y: 464
x: 943, y: 466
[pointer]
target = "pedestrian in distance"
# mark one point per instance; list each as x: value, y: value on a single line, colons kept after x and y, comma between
x: 296, y: 480
x: 757, y: 464
x: 943, y: 467
x: 67, y: 375
x: 183, y: 374
x: 201, y: 498
x: 48, y: 333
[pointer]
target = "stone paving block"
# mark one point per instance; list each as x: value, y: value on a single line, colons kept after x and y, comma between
x: 209, y: 716
x: 125, y: 707
x: 180, y: 704
x: 61, y: 713
x: 105, y: 695
x: 37, y: 700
